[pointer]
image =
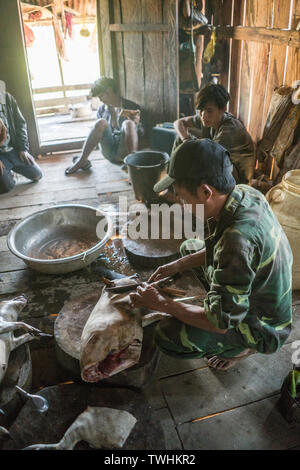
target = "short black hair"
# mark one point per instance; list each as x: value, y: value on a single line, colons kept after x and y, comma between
x: 102, y: 84
x: 223, y: 186
x: 212, y: 93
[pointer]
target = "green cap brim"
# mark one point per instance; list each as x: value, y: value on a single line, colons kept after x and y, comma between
x: 163, y: 184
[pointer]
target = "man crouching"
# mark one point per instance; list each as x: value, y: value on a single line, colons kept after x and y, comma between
x: 14, y: 144
x: 245, y: 265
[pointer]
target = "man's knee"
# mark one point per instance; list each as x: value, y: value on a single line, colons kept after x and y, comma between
x: 37, y: 177
x: 6, y: 184
x: 183, y: 250
x: 128, y: 126
x: 32, y: 172
x: 100, y: 125
x: 172, y: 338
x: 166, y: 330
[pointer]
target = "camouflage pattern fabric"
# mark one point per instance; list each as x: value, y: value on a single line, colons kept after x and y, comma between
x: 248, y: 281
x: 232, y: 135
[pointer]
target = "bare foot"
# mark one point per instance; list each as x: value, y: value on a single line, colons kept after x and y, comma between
x: 78, y: 165
x: 221, y: 363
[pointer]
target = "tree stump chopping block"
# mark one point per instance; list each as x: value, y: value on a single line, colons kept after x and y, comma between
x: 67, y: 401
x: 67, y: 332
x: 152, y: 252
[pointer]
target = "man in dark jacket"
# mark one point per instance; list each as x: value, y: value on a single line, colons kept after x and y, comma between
x: 14, y: 146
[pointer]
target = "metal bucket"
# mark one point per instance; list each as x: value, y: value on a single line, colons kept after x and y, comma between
x: 145, y: 169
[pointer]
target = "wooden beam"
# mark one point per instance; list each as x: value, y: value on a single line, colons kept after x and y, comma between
x: 30, y: 8
x: 139, y: 28
x: 58, y: 101
x: 257, y: 34
x: 48, y: 21
x: 53, y: 89
x: 260, y: 34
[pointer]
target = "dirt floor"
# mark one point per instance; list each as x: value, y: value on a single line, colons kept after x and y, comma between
x: 196, y: 407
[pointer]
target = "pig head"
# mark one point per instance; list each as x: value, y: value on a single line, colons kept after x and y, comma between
x: 111, y: 340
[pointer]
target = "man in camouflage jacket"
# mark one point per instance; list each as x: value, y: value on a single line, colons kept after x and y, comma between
x: 245, y: 266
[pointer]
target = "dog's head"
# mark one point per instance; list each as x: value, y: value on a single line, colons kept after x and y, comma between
x: 13, y: 306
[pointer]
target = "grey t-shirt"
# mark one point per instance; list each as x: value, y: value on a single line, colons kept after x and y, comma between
x: 232, y: 135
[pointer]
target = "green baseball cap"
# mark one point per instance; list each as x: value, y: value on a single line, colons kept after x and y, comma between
x: 196, y: 157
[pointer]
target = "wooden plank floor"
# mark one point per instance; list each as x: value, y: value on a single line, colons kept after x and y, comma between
x: 64, y: 127
x: 198, y: 408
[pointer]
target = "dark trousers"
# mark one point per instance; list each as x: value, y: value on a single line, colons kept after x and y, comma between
x: 183, y: 341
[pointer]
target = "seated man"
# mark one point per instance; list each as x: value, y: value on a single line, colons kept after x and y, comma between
x: 245, y: 266
x: 14, y: 146
x: 214, y: 122
x: 117, y: 130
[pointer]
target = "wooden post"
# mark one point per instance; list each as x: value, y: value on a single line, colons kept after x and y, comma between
x: 104, y: 15
x: 14, y: 68
x: 293, y: 58
x: 99, y: 36
x: 60, y: 71
x: 235, y: 61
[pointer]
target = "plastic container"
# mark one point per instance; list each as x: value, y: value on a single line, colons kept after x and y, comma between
x: 284, y: 198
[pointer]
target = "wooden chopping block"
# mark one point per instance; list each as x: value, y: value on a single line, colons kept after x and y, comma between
x: 150, y: 252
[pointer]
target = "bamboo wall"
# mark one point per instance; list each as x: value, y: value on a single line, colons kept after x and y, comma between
x: 256, y: 68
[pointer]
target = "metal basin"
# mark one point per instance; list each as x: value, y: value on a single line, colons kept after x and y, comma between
x: 76, y: 225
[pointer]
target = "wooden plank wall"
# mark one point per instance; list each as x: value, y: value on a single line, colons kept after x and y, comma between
x: 143, y: 48
x: 255, y: 69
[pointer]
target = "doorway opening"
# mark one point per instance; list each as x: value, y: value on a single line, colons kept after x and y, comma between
x: 62, y: 54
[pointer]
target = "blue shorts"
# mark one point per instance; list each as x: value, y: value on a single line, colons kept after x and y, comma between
x: 12, y: 162
x: 113, y: 144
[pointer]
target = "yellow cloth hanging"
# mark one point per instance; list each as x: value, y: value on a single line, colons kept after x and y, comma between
x: 210, y: 48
